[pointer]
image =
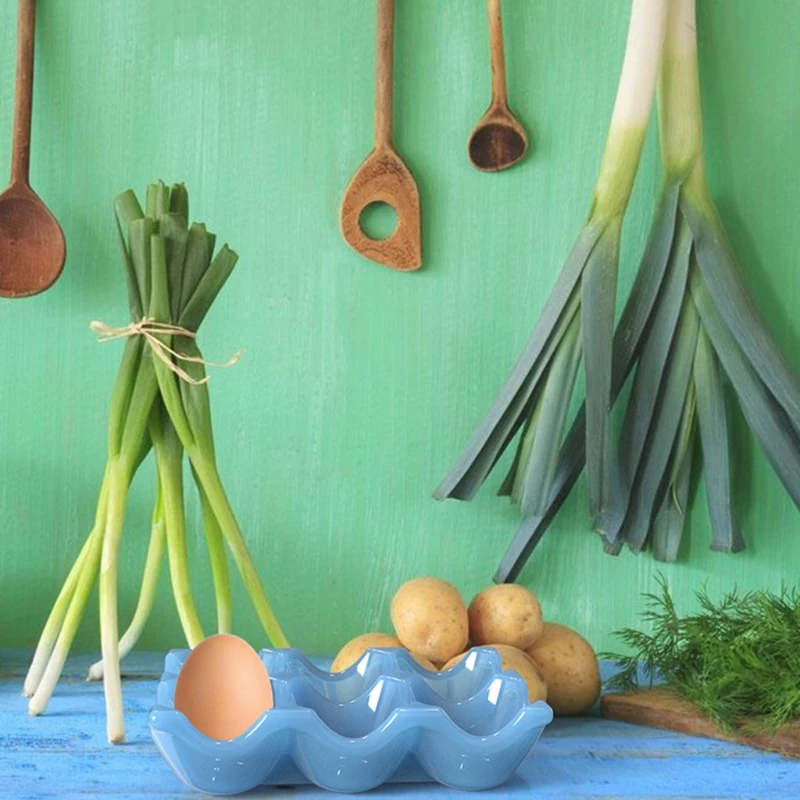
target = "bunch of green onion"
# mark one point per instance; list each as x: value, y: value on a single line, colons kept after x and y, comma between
x: 160, y: 403
x: 688, y: 325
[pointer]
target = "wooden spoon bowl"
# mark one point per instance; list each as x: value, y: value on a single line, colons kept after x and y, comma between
x: 498, y: 140
x: 32, y: 246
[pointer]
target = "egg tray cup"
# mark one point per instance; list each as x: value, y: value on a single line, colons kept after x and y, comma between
x: 385, y: 719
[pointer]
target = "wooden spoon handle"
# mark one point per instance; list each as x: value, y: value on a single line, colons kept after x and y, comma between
x: 23, y: 93
x: 499, y: 93
x: 383, y: 73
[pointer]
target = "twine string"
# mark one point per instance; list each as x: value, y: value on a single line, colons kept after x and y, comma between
x: 150, y: 329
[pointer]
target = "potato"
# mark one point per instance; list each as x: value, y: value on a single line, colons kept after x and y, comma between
x: 423, y: 662
x: 569, y: 666
x: 356, y: 648
x: 505, y: 614
x: 516, y: 659
x: 453, y: 661
x: 430, y: 618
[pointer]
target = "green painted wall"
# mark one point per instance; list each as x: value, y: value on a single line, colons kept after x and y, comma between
x: 360, y: 385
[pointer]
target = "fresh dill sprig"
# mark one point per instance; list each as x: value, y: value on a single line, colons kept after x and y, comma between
x: 737, y: 660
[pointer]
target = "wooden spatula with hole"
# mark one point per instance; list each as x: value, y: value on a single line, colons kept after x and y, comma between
x: 384, y: 177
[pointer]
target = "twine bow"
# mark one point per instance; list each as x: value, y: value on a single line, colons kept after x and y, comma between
x: 150, y: 329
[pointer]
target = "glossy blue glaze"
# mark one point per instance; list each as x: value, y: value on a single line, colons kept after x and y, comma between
x: 385, y: 719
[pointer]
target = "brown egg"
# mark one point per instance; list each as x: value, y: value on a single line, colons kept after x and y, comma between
x: 223, y: 687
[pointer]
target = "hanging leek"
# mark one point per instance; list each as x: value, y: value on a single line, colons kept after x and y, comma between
x: 705, y: 327
x: 689, y: 326
x: 577, y: 321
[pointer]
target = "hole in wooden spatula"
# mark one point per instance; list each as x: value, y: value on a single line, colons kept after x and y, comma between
x: 378, y: 221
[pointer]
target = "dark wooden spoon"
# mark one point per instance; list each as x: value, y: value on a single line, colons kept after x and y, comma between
x: 498, y: 141
x: 32, y: 247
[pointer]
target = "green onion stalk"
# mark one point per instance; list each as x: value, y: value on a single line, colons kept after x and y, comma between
x: 147, y: 592
x: 577, y: 322
x: 173, y: 278
x: 690, y: 329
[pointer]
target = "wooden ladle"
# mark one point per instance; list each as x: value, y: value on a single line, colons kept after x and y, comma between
x: 498, y: 141
x: 383, y: 177
x: 32, y: 248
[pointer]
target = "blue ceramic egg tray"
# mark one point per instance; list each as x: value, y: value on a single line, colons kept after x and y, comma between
x: 385, y: 719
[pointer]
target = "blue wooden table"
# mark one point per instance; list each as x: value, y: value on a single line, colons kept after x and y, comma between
x: 64, y: 754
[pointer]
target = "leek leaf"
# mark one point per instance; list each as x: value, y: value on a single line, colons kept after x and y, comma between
x: 765, y: 416
x: 670, y: 522
x: 598, y: 296
x: 663, y: 429
x: 715, y: 441
x: 505, y: 415
x: 647, y: 384
x: 550, y: 418
x: 723, y: 279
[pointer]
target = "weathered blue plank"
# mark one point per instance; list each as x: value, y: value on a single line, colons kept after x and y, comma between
x: 64, y: 754
x: 137, y: 771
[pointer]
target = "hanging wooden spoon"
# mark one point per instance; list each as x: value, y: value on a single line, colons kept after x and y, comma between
x: 498, y: 141
x: 384, y: 177
x: 32, y: 248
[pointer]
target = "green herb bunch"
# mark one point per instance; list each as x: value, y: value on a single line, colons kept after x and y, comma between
x: 737, y: 660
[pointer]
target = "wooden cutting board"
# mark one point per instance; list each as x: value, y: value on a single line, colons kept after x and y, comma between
x: 662, y: 709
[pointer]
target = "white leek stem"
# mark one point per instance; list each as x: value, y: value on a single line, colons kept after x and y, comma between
x: 632, y: 107
x: 640, y: 67
x: 680, y: 117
